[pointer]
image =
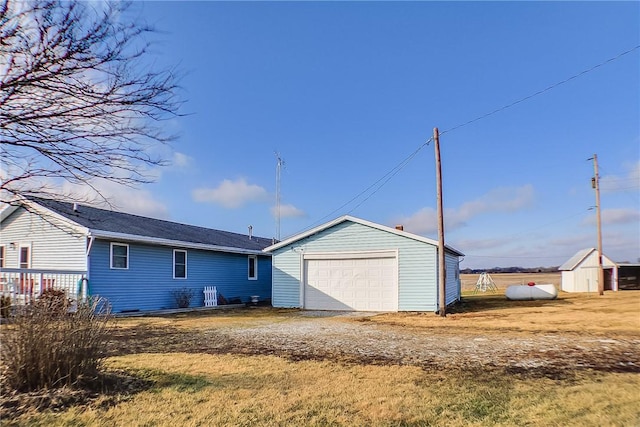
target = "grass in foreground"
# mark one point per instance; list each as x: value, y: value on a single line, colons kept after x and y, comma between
x: 225, y: 390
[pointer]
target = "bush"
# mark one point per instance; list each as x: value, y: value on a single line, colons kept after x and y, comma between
x: 53, y: 301
x: 183, y: 297
x: 44, y: 346
x: 5, y: 306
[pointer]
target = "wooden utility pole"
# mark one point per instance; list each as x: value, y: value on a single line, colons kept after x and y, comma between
x: 442, y: 270
x: 595, y: 183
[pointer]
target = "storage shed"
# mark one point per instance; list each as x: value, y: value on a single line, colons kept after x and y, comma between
x: 355, y: 265
x: 580, y: 272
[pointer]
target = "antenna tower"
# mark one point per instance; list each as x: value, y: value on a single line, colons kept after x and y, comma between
x: 279, y: 164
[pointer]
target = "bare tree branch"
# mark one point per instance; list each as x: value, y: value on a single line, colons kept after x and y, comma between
x: 76, y: 101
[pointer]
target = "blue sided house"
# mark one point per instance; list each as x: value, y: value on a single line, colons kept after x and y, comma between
x: 136, y: 263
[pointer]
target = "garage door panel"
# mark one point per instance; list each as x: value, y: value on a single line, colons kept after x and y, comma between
x: 367, y: 284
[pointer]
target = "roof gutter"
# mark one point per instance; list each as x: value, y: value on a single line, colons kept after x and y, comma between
x: 99, y: 234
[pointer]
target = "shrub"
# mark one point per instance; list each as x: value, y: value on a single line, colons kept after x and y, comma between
x: 44, y: 346
x: 53, y: 301
x: 5, y: 306
x: 183, y: 297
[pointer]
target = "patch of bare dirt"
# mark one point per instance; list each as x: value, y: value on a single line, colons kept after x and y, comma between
x: 352, y: 339
x: 105, y: 391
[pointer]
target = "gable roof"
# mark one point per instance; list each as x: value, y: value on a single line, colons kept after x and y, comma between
x: 344, y: 218
x: 575, y: 260
x: 583, y: 254
x: 102, y: 223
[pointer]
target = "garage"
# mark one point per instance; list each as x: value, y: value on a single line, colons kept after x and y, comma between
x: 351, y: 281
x: 352, y: 264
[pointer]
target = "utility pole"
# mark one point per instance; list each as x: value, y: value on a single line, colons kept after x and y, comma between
x: 595, y: 183
x: 442, y: 270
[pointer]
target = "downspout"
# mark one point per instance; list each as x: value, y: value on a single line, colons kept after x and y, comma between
x: 85, y: 283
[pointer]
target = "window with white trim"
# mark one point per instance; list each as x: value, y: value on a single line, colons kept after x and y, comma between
x: 25, y: 257
x: 2, y: 253
x: 253, y: 267
x: 119, y: 256
x: 179, y: 264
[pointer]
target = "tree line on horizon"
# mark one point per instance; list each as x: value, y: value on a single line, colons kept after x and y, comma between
x: 496, y: 270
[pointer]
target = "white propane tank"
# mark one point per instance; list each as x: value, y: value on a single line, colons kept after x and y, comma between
x: 531, y: 292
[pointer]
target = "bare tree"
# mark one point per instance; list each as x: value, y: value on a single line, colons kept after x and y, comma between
x: 77, y: 102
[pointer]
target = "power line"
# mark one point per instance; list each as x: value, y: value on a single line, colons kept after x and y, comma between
x: 398, y: 169
x: 540, y: 92
x: 386, y: 177
x: 404, y: 162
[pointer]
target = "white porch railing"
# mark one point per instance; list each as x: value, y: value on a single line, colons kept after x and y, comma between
x: 25, y: 284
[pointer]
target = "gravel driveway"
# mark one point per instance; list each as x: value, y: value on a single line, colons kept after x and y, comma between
x: 352, y: 338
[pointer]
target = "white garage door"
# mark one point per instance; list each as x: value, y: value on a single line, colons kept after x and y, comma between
x: 361, y: 282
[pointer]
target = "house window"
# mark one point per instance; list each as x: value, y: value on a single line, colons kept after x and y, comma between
x: 179, y: 264
x: 119, y: 256
x: 253, y: 267
x: 24, y: 257
x: 1, y: 256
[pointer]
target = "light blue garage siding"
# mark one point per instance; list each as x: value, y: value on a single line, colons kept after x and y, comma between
x: 148, y: 282
x: 452, y: 278
x: 417, y: 263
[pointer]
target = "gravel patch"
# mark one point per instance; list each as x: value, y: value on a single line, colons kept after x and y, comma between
x: 318, y: 336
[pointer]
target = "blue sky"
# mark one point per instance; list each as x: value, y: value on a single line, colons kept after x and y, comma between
x: 345, y: 91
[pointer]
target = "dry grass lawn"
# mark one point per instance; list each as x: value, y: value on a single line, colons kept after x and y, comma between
x: 613, y: 314
x: 193, y: 388
x: 227, y: 390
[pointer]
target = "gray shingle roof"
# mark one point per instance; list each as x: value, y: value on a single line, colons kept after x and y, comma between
x: 104, y: 220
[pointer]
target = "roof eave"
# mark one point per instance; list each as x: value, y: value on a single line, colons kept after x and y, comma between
x: 110, y: 235
x: 44, y: 212
x: 344, y: 218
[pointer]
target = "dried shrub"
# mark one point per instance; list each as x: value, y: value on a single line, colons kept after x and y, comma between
x: 183, y: 297
x: 44, y: 346
x: 5, y: 306
x: 53, y: 301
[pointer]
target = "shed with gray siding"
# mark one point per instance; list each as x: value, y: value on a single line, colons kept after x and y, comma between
x: 356, y: 265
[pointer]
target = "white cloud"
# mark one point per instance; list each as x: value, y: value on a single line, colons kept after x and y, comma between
x: 505, y: 199
x: 181, y: 160
x: 289, y: 211
x: 615, y: 183
x: 231, y: 194
x: 479, y: 244
x: 615, y: 216
x: 119, y: 197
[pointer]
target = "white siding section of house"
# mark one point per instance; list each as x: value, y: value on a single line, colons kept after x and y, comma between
x: 52, y: 246
x: 417, y: 281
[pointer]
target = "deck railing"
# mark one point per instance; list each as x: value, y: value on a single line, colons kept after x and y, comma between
x: 25, y: 284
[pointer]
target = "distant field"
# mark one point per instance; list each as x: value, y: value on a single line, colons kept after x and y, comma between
x: 502, y: 280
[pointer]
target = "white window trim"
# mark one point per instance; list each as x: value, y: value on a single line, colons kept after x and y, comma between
x: 29, y: 260
x: 111, y: 256
x: 255, y: 267
x: 185, y: 264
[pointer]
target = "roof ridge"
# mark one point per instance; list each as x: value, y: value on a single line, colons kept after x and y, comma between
x: 47, y: 203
